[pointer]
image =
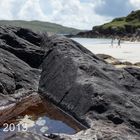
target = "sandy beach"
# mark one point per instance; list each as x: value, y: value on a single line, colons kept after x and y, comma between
x: 129, y: 51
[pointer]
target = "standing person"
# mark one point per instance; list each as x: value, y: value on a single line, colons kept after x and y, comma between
x: 112, y: 41
x: 119, y: 42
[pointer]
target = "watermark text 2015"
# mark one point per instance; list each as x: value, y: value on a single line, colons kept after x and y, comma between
x: 14, y: 127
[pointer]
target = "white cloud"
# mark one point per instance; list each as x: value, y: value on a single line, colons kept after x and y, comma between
x: 5, y: 9
x: 74, y: 13
x: 31, y: 10
x: 135, y: 3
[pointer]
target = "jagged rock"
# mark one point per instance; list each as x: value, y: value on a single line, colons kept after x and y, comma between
x: 87, y: 86
x: 134, y: 71
x: 109, y: 59
x: 115, y: 61
x: 16, y: 74
x: 23, y: 43
x: 19, y: 52
x: 137, y: 64
x: 104, y: 131
x: 16, y: 78
x: 75, y: 79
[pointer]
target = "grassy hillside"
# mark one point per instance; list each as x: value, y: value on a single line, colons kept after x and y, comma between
x: 128, y: 28
x: 40, y: 26
x: 132, y: 20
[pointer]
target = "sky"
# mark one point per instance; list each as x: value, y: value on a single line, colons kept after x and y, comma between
x: 82, y: 14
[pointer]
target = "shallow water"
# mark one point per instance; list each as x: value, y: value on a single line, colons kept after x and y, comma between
x: 41, y: 119
x: 128, y: 51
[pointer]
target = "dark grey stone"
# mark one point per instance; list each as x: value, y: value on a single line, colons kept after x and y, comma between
x: 23, y: 43
x: 85, y: 85
x: 15, y: 74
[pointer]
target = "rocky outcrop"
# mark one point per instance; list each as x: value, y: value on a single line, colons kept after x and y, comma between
x: 15, y: 74
x: 134, y: 71
x: 18, y: 80
x: 115, y: 32
x: 137, y: 64
x: 102, y: 97
x: 87, y: 86
x: 117, y: 63
x: 104, y: 131
x: 87, y: 34
x: 23, y: 43
x: 132, y: 68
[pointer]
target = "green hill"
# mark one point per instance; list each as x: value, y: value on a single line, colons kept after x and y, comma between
x: 38, y: 26
x: 127, y: 24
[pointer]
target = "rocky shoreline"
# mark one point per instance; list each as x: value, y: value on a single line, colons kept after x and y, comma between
x: 117, y: 63
x: 100, y: 33
x: 87, y: 86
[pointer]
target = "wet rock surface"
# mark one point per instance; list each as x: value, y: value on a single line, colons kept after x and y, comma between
x: 87, y: 86
x: 13, y: 105
x: 40, y: 116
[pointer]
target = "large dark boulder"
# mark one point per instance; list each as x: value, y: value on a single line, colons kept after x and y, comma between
x: 23, y: 43
x: 87, y: 86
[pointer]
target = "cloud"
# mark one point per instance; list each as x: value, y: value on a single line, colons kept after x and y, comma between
x: 76, y: 13
x: 31, y: 10
x: 135, y: 3
x: 82, y: 14
x: 5, y: 9
x: 114, y: 8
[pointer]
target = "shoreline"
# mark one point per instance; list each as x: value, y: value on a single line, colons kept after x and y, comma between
x: 125, y: 38
x: 128, y: 51
x: 115, y: 62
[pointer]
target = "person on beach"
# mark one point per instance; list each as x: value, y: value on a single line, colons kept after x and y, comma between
x: 119, y: 42
x: 112, y: 41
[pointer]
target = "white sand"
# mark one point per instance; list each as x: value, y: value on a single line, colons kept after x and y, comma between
x: 128, y: 52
